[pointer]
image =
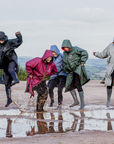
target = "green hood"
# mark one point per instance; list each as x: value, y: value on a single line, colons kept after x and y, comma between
x: 66, y: 43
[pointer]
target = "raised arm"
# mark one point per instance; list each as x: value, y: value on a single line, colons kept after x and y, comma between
x: 15, y: 43
x: 103, y: 54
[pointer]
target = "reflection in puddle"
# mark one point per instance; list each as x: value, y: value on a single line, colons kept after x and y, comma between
x: 54, y: 122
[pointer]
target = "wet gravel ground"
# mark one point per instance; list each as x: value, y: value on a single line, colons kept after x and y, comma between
x: 19, y: 120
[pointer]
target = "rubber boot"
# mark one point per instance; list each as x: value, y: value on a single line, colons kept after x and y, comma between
x: 8, y: 93
x: 37, y: 105
x: 14, y: 76
x: 74, y: 95
x: 103, y: 81
x: 52, y: 99
x: 51, y: 103
x: 81, y: 94
x: 109, y: 92
x: 58, y: 107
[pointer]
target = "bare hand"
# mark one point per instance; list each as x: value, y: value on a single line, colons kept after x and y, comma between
x: 17, y: 32
x: 30, y: 76
x: 82, y: 64
x: 67, y: 72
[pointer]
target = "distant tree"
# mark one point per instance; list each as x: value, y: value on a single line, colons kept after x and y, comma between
x: 1, y: 72
x: 22, y: 74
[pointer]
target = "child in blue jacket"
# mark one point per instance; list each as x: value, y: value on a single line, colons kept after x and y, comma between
x: 59, y: 79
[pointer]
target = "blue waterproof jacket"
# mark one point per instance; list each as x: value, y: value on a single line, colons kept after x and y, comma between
x: 58, y: 62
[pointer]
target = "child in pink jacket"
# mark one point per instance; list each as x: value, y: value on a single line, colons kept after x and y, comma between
x: 38, y: 69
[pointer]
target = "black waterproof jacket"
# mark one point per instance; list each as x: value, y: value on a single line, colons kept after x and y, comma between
x: 7, y: 54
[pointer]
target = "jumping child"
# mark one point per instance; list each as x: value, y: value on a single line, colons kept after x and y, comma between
x: 108, y: 53
x: 74, y: 59
x: 9, y: 62
x: 38, y: 69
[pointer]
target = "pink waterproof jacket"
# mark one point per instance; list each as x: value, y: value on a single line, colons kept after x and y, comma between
x: 36, y: 67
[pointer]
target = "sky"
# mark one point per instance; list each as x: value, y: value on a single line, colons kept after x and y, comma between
x: 88, y: 24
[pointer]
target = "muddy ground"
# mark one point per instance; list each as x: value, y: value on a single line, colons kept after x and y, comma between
x: 95, y: 94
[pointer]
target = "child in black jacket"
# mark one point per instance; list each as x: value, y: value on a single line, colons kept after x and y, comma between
x: 9, y: 62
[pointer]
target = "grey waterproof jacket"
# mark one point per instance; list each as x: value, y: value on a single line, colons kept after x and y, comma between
x: 108, y: 53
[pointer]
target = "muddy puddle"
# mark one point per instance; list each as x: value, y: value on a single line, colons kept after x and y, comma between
x: 14, y: 123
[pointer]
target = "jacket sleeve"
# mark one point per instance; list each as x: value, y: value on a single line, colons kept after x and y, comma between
x: 65, y: 67
x: 59, y: 63
x: 103, y: 54
x: 54, y: 69
x: 84, y: 56
x: 15, y: 43
x: 30, y: 65
x: 80, y: 57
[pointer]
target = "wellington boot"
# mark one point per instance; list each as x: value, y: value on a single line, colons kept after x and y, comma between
x: 81, y: 94
x: 74, y: 95
x: 109, y: 92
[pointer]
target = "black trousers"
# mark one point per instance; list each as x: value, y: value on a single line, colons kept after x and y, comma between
x: 112, y: 75
x: 41, y: 89
x: 8, y: 70
x: 60, y: 83
x: 11, y: 66
x: 76, y: 81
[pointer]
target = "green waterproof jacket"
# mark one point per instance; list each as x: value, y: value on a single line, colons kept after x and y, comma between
x: 72, y: 61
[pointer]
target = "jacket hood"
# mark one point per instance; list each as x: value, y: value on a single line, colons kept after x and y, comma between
x: 3, y: 37
x: 48, y: 53
x: 55, y: 49
x: 66, y: 43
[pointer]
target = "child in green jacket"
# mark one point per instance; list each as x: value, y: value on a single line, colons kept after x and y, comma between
x: 74, y: 59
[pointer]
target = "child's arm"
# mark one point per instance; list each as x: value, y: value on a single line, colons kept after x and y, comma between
x: 54, y: 69
x: 84, y: 56
x: 30, y: 65
x: 103, y: 54
x: 15, y: 43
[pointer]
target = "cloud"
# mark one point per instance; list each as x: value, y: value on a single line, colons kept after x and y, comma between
x: 89, y: 14
x: 40, y: 35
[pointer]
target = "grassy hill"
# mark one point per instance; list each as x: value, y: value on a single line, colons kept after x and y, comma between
x: 95, y: 67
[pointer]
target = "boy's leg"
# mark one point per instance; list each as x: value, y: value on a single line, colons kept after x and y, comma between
x: 42, y: 96
x: 80, y: 91
x: 8, y: 93
x: 12, y: 72
x: 109, y: 91
x: 52, y: 85
x: 38, y: 96
x: 61, y: 84
x: 43, y: 100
